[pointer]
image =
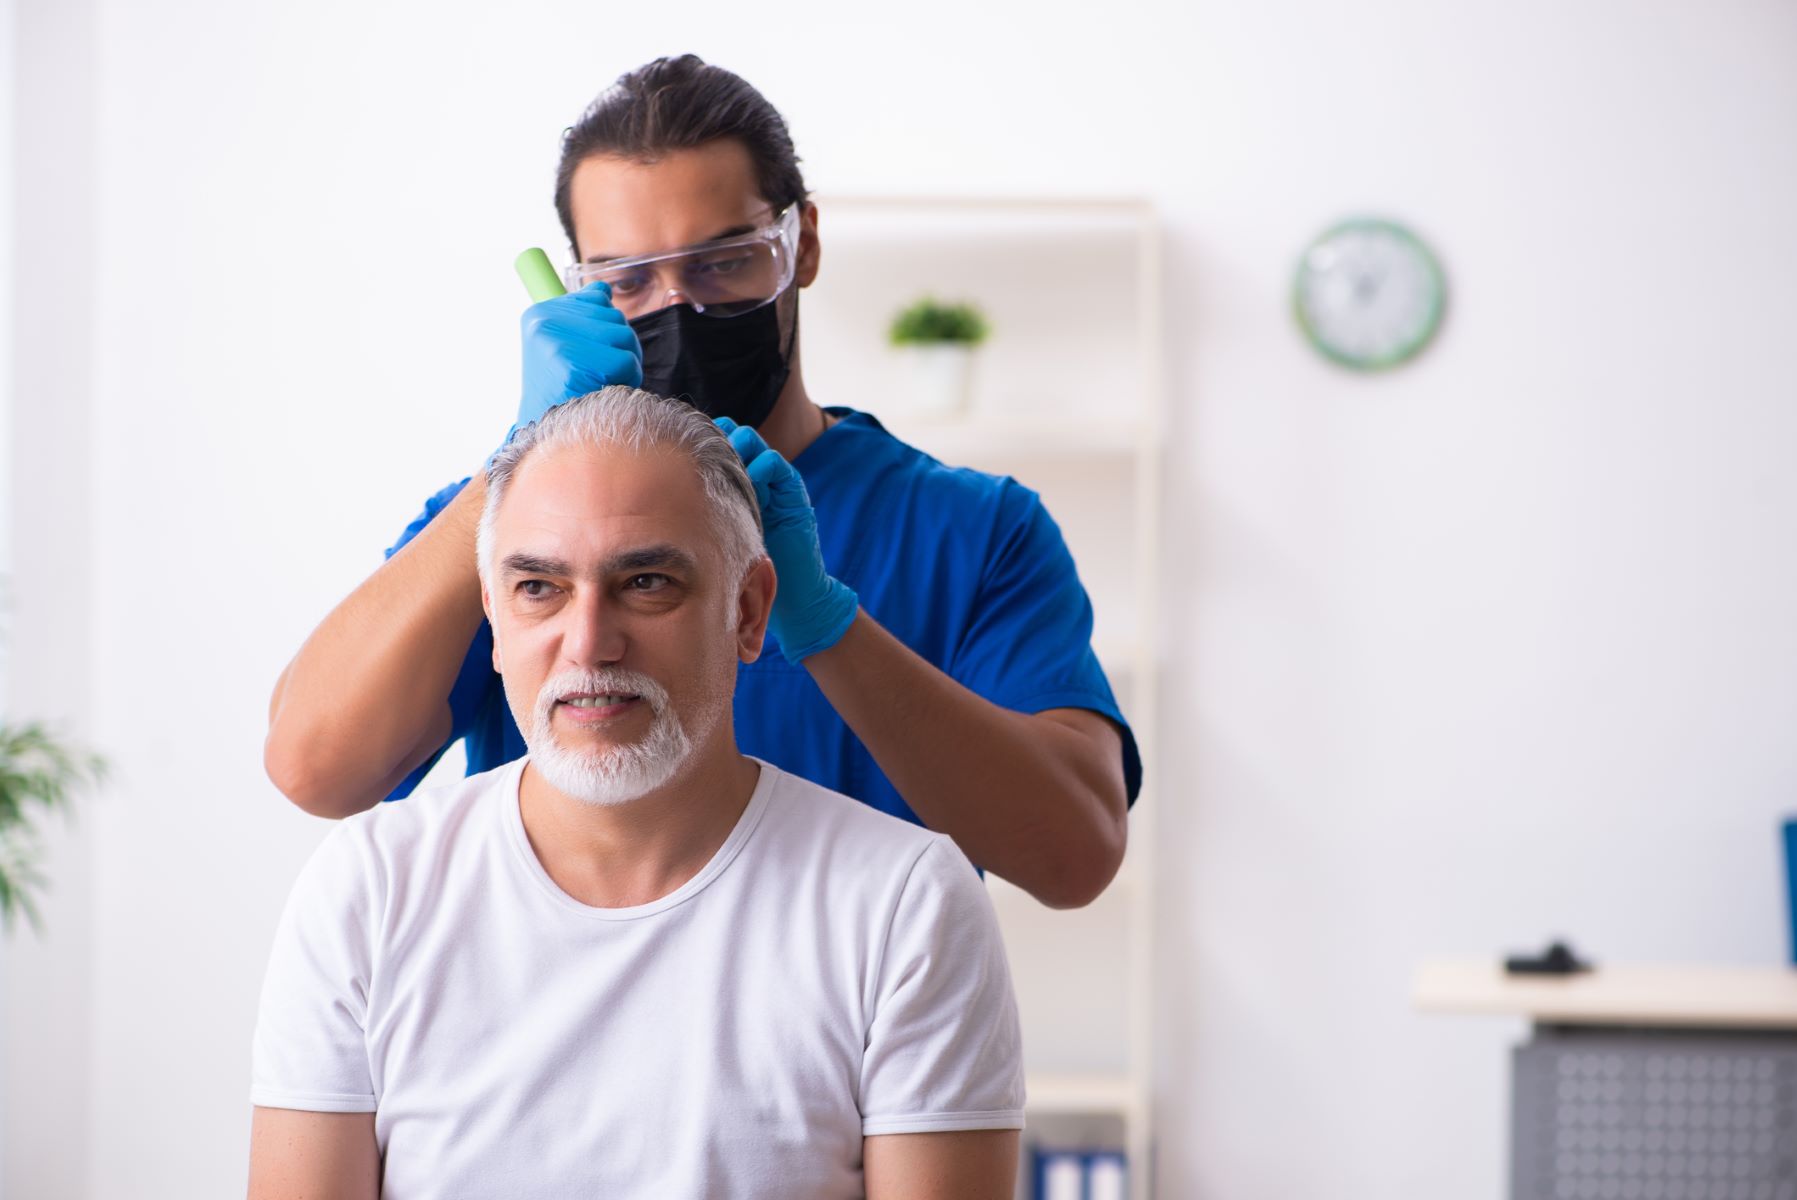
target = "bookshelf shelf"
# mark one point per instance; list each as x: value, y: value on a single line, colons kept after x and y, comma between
x: 1082, y: 1094
x: 1015, y: 440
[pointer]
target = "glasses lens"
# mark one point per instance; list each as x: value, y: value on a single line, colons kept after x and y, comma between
x: 719, y: 281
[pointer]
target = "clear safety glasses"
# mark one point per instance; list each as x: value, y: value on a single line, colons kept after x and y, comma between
x: 723, y: 278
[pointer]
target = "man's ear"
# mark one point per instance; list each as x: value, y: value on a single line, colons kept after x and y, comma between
x: 486, y: 607
x: 754, y: 601
x: 810, y: 250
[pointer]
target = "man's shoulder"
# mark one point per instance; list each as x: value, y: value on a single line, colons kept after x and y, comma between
x: 429, y: 816
x: 892, y: 476
x: 391, y: 852
x: 810, y: 822
x: 871, y: 440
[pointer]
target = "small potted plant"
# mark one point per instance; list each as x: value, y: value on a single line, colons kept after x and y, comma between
x: 38, y: 772
x: 940, y: 340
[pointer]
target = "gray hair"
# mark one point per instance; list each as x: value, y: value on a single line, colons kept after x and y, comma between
x: 636, y: 420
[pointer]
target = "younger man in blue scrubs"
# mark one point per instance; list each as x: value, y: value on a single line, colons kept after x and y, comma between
x: 935, y: 642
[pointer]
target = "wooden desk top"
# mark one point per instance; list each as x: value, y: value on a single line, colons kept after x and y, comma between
x: 1687, y: 997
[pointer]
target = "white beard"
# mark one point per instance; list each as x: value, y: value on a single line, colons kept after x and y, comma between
x: 619, y: 774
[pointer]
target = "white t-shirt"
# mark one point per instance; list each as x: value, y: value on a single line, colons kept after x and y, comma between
x: 831, y: 973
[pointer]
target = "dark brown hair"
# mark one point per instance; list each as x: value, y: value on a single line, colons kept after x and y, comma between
x: 678, y: 104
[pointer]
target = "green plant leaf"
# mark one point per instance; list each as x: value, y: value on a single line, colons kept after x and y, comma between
x: 19, y: 878
x: 37, y: 771
x: 929, y: 321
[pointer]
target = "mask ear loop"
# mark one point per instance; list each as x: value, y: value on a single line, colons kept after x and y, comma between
x: 792, y: 337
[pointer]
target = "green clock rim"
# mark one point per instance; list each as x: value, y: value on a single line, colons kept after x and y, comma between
x: 1437, y: 300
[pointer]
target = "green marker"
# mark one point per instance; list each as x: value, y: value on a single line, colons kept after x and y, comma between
x: 540, y: 279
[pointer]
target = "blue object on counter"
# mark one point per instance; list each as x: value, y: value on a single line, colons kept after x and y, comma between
x: 1078, y: 1175
x: 1790, y: 832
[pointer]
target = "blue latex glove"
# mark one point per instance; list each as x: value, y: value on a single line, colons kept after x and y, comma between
x: 811, y: 610
x: 573, y: 345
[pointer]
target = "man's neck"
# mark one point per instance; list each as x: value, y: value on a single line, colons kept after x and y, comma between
x: 794, y: 422
x: 619, y: 856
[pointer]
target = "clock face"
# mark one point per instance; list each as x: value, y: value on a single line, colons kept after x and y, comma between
x: 1368, y: 294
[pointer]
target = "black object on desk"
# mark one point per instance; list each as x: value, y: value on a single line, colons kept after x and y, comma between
x: 1557, y: 959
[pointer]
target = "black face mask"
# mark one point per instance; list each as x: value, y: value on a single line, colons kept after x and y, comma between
x: 723, y: 366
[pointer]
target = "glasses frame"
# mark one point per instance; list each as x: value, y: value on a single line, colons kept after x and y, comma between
x: 782, y: 230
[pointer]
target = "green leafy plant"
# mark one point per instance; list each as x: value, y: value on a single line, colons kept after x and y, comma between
x: 38, y: 772
x: 930, y: 322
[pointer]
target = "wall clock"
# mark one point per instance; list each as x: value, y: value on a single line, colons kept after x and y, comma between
x: 1369, y: 294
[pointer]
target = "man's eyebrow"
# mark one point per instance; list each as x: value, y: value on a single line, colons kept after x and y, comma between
x: 640, y: 558
x: 534, y: 564
x: 596, y: 260
x: 645, y: 558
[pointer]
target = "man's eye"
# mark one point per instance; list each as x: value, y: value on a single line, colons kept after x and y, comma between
x: 719, y: 266
x: 623, y: 285
x: 647, y: 583
x: 535, y: 589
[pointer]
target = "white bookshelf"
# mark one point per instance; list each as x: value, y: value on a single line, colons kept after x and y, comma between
x: 1067, y: 398
x: 1016, y: 442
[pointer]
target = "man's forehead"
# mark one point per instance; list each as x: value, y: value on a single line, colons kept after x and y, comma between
x: 588, y: 503
x: 625, y: 207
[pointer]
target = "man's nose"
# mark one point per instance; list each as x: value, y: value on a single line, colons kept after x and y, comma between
x: 670, y: 297
x: 671, y: 286
x: 592, y: 634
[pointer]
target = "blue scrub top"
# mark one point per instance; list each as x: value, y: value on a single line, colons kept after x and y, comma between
x: 965, y: 568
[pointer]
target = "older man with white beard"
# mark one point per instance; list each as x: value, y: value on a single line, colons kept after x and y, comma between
x: 634, y: 963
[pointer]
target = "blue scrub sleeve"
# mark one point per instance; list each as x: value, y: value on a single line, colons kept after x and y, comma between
x: 1029, y: 645
x: 474, y: 680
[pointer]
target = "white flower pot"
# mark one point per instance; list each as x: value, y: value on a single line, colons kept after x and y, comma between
x: 937, y: 381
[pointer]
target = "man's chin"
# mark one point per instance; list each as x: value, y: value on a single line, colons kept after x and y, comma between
x: 603, y: 761
x: 605, y: 777
x: 593, y: 750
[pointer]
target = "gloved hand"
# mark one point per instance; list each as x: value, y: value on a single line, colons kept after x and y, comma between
x: 573, y: 345
x: 811, y: 610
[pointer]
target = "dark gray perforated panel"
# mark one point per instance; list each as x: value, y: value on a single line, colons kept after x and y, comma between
x: 1627, y: 1115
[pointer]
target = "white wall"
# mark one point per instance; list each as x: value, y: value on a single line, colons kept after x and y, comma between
x: 1494, y: 647
x: 1500, y: 646
x: 48, y: 626
x: 7, y: 270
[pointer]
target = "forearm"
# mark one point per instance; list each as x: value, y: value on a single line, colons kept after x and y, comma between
x: 366, y: 698
x: 1035, y: 801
